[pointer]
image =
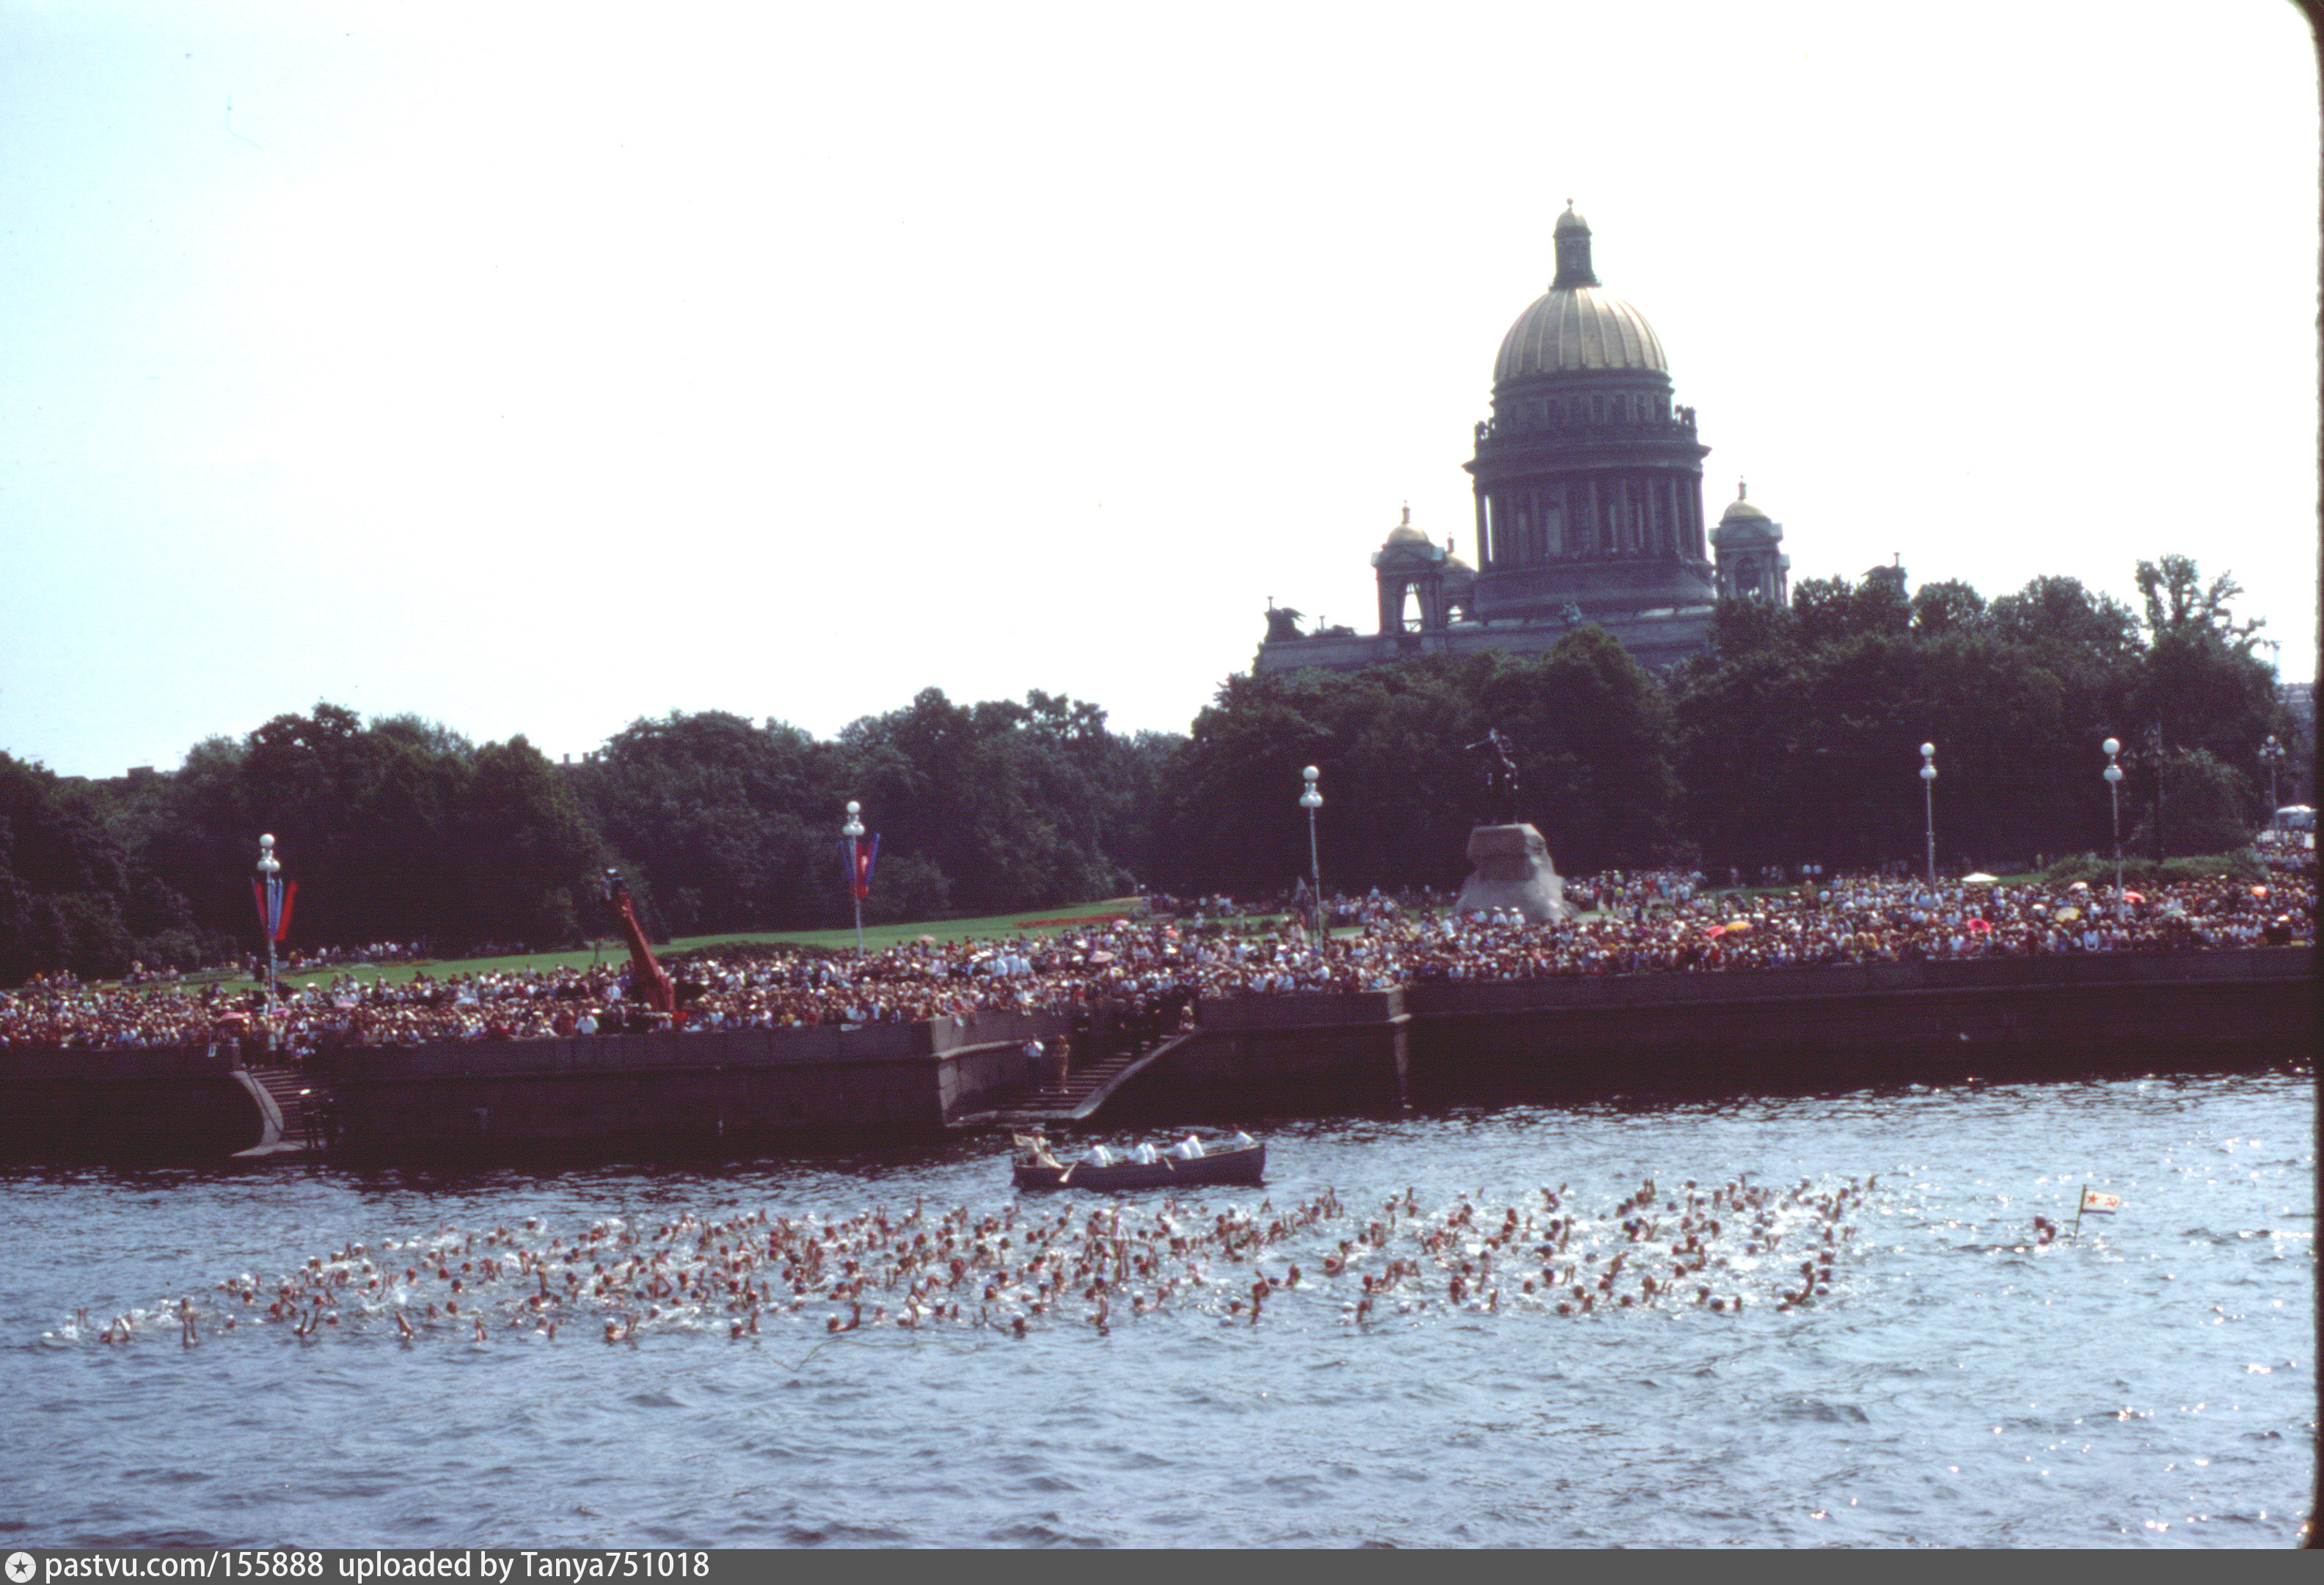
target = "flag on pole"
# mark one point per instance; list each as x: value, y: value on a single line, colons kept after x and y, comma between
x: 2095, y: 1203
x: 274, y: 895
x: 858, y: 857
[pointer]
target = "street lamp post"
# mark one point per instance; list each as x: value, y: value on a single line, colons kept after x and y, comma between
x: 1312, y: 800
x: 2112, y: 747
x: 2154, y: 752
x: 269, y: 871
x: 853, y: 832
x: 2272, y: 752
x: 1929, y: 805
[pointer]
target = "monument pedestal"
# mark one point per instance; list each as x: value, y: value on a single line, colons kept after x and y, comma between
x: 1512, y: 870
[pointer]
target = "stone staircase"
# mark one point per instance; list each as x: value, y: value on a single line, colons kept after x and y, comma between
x: 1082, y: 1092
x: 299, y: 1097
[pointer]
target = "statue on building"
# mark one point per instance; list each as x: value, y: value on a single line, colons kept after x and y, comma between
x: 1282, y: 622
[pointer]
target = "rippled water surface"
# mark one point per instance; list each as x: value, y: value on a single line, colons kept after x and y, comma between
x: 2150, y: 1385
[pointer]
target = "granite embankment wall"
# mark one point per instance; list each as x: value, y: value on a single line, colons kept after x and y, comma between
x: 1284, y: 1055
x: 172, y: 1103
x: 1843, y: 1026
x: 1437, y: 1043
x: 732, y: 1086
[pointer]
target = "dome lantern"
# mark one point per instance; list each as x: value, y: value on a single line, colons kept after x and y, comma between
x: 1572, y: 236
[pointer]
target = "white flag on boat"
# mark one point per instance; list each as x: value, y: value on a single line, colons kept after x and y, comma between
x: 2096, y: 1202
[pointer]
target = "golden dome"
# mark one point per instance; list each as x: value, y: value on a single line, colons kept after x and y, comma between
x: 1403, y: 533
x: 1744, y: 519
x: 1582, y: 328
x: 1577, y: 325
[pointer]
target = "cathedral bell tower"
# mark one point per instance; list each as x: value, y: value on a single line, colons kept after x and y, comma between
x: 1752, y: 565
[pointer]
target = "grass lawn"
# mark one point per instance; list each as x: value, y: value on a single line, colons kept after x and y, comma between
x: 1051, y: 921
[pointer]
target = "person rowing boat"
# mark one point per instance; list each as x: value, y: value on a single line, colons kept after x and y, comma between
x: 1239, y: 1160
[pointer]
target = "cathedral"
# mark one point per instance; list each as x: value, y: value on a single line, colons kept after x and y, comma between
x: 1588, y: 481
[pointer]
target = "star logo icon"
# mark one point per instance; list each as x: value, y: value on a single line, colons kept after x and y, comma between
x: 20, y: 1567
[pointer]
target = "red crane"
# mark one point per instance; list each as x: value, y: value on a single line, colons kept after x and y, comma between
x: 654, y: 982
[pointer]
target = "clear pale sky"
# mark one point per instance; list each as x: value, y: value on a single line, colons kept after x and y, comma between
x: 537, y: 368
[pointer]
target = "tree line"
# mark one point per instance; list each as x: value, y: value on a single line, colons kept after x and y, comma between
x: 402, y: 830
x: 1793, y: 739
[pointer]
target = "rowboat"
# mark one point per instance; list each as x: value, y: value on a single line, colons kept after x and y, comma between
x: 1244, y: 1163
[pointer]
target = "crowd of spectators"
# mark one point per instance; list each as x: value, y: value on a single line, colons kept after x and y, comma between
x: 302, y: 959
x: 1151, y: 970
x: 1858, y: 920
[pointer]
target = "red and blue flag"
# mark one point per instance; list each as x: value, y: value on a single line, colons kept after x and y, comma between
x: 274, y: 896
x: 858, y: 857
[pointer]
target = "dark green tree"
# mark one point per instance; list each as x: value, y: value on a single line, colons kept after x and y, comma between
x: 990, y: 796
x: 2200, y: 678
x: 2207, y: 808
x: 1596, y: 742
x: 1948, y: 607
x: 71, y: 895
x: 2059, y: 612
x: 1798, y: 744
x: 1824, y: 610
x: 526, y: 860
x: 1741, y: 629
x: 1591, y: 733
x: 713, y: 810
x: 398, y: 831
x: 1812, y: 753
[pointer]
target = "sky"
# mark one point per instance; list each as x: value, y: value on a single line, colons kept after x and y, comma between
x: 535, y: 369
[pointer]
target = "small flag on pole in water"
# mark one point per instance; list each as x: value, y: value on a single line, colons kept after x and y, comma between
x: 2095, y: 1203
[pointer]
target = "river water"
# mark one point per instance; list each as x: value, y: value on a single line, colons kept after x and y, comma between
x: 2149, y: 1384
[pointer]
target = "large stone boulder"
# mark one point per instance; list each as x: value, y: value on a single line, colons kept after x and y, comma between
x: 1512, y: 871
